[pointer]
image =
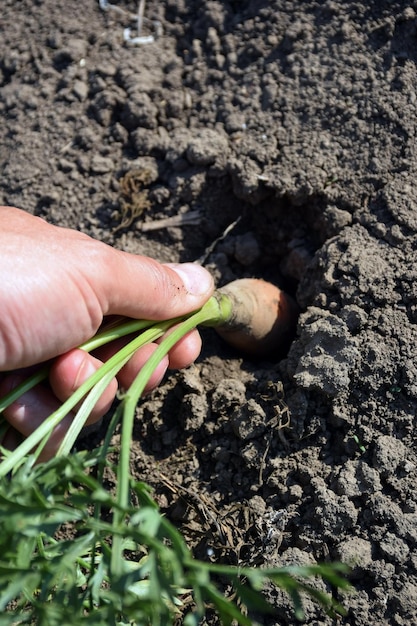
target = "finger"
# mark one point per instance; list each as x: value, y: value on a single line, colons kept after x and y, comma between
x: 11, y: 439
x: 185, y: 351
x: 128, y: 373
x: 32, y: 408
x: 70, y: 371
x: 140, y: 287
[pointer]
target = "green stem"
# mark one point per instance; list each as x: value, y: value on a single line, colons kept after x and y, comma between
x: 25, y: 386
x: 108, y: 335
x: 127, y: 327
x: 115, y: 363
x: 216, y: 311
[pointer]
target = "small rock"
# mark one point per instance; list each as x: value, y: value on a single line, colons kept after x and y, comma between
x: 249, y: 421
x: 295, y: 263
x: 389, y: 452
x: 106, y: 69
x: 247, y: 249
x: 228, y: 393
x: 194, y: 411
x: 139, y: 111
x: 206, y: 147
x: 73, y: 51
x: 80, y: 89
x: 357, y: 478
x: 100, y: 164
x: 394, y: 548
x: 355, y: 552
x: 330, y: 355
x: 65, y: 165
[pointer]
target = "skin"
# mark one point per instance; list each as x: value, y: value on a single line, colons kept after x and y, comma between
x: 57, y: 286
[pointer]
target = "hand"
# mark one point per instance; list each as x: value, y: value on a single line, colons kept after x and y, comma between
x: 56, y: 287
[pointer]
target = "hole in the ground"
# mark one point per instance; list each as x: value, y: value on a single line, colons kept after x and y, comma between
x: 289, y: 234
x: 275, y: 240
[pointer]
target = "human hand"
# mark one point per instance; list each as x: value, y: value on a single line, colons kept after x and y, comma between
x: 56, y: 287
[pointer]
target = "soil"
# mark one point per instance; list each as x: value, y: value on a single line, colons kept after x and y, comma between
x: 284, y: 131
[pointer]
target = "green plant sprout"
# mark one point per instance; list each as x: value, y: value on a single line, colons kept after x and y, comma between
x: 359, y: 444
x: 135, y: 569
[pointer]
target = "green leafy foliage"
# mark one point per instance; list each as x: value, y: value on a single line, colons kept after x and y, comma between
x: 73, y: 552
x: 55, y: 563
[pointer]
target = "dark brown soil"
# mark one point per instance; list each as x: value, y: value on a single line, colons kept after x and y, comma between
x: 295, y: 121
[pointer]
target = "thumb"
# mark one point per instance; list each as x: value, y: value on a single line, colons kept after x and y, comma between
x: 140, y: 287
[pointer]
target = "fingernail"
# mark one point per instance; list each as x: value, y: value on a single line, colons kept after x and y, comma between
x: 196, y: 279
x: 86, y: 369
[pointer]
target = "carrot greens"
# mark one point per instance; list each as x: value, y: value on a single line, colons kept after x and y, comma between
x: 64, y: 560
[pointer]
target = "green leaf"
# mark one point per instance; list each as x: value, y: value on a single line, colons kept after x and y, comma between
x: 253, y: 599
x: 226, y: 609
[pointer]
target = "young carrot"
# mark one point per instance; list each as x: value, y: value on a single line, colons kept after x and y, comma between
x: 263, y: 318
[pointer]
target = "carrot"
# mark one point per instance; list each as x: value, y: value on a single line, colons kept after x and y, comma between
x: 263, y: 318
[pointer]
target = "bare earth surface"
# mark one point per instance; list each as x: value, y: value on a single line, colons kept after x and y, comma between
x: 299, y: 118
